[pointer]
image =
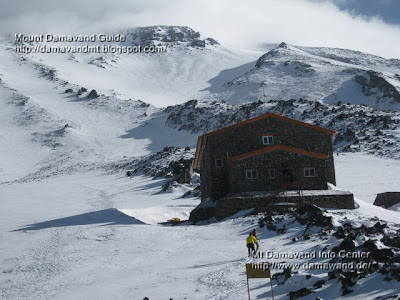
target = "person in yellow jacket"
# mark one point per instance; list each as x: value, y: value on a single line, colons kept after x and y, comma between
x: 251, y: 243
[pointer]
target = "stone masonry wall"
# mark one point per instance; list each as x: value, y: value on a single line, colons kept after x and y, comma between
x: 228, y: 206
x: 387, y: 199
x: 280, y: 161
x: 248, y: 138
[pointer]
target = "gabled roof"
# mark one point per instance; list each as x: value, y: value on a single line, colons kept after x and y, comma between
x: 202, y: 140
x: 278, y: 147
x: 280, y: 117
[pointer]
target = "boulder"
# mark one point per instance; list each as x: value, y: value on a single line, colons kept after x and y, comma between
x: 93, y: 94
x: 81, y: 91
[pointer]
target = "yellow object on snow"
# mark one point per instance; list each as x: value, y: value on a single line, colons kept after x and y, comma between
x: 175, y: 220
x: 251, y: 239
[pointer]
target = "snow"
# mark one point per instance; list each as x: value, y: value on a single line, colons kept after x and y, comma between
x: 395, y: 207
x: 66, y: 238
x: 73, y: 226
x: 366, y: 176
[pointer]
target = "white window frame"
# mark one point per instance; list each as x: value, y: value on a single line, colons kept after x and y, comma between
x: 307, y: 172
x: 216, y: 163
x: 270, y: 139
x: 272, y: 171
x: 253, y: 174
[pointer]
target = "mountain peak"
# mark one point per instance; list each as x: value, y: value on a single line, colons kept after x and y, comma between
x: 171, y: 35
x: 283, y: 45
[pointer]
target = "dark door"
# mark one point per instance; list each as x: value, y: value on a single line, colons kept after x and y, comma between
x: 287, y: 175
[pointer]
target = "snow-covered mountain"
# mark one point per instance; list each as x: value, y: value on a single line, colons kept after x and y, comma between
x: 95, y: 148
x: 319, y: 74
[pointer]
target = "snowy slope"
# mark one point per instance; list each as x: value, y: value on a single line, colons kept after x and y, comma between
x: 178, y: 75
x: 319, y: 74
x: 74, y: 226
x: 76, y: 242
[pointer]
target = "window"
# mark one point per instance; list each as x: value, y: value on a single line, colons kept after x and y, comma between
x: 272, y: 173
x: 219, y: 163
x: 251, y: 174
x: 268, y: 140
x: 309, y: 172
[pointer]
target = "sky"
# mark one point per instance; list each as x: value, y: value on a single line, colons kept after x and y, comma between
x: 387, y: 10
x: 371, y: 26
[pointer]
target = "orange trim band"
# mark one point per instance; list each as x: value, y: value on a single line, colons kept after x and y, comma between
x: 278, y: 147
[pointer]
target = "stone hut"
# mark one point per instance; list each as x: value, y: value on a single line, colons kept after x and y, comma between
x: 269, y: 153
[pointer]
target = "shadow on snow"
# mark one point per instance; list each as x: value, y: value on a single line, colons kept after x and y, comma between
x: 111, y: 216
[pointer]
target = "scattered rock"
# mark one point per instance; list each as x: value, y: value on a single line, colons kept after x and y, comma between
x: 169, y: 185
x: 93, y: 94
x: 281, y: 277
x: 311, y: 215
x: 68, y: 91
x: 356, y: 125
x: 300, y: 293
x: 81, y: 91
x: 319, y: 284
x: 347, y: 245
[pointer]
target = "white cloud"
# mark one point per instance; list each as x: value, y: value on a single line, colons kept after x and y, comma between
x: 241, y: 24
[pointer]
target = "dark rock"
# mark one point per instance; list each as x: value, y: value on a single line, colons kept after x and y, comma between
x: 391, y: 242
x: 347, y: 245
x: 211, y: 41
x: 372, y: 81
x: 283, y: 45
x: 93, y: 94
x: 349, y: 279
x: 310, y: 215
x: 181, y: 170
x: 345, y: 292
x: 198, y: 43
x: 68, y: 91
x: 169, y: 185
x: 335, y: 274
x: 81, y: 91
x: 369, y: 246
x: 173, y: 35
x: 187, y: 194
x: 281, y: 277
x: 299, y: 293
x: 383, y: 255
x: 319, y: 284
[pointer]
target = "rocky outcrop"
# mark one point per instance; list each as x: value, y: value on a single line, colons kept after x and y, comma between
x: 358, y: 127
x: 372, y: 248
x: 172, y: 163
x: 231, y: 204
x: 93, y: 94
x: 374, y: 84
x: 81, y: 91
x: 170, y: 35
